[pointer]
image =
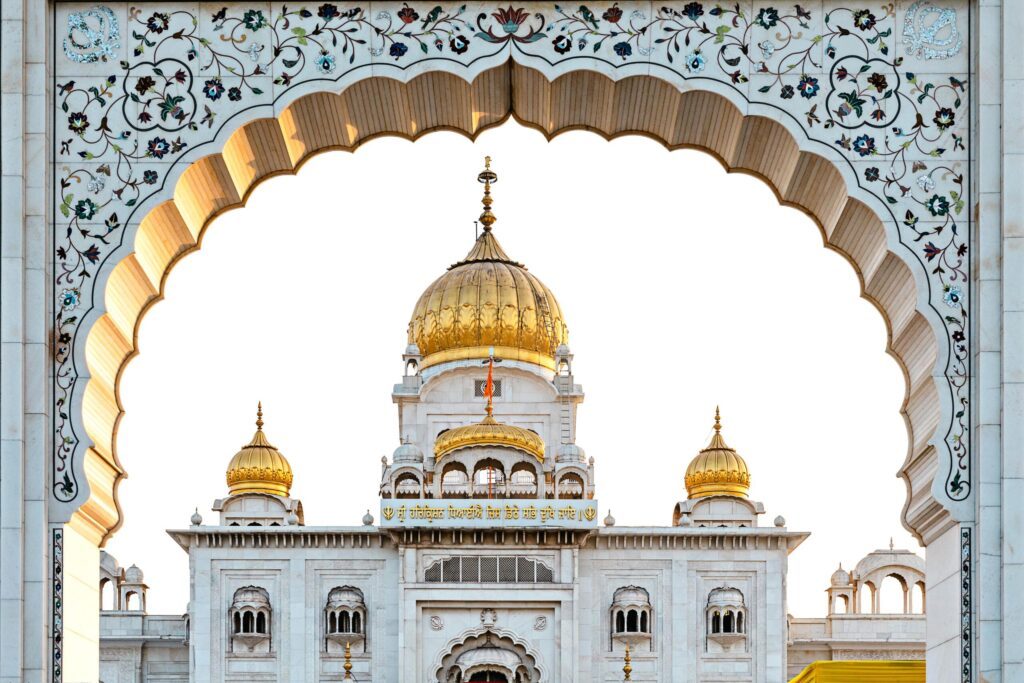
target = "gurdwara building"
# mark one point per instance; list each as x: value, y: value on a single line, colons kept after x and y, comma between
x: 488, y: 561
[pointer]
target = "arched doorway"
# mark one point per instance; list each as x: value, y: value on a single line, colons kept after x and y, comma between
x: 514, y: 64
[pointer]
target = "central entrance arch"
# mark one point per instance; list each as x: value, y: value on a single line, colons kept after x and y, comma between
x: 318, y: 122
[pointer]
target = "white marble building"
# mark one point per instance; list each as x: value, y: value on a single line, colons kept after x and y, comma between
x: 489, y: 563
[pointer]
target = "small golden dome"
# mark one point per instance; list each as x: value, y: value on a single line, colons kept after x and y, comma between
x: 259, y: 467
x: 488, y: 304
x: 489, y: 432
x: 717, y: 470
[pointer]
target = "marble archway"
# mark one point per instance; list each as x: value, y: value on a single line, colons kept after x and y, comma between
x: 166, y: 129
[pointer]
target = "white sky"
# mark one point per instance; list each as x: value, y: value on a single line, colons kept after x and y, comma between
x: 683, y: 287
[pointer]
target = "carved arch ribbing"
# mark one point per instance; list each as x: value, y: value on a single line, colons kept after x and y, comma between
x: 639, y: 105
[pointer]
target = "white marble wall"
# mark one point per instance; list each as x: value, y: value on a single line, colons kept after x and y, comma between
x: 25, y: 66
x: 565, y: 625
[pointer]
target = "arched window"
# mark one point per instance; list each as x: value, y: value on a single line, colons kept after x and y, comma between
x: 716, y: 622
x: 631, y: 615
x: 631, y: 621
x: 892, y: 598
x: 919, y: 597
x: 643, y: 623
x: 107, y: 594
x: 238, y: 623
x: 248, y: 622
x: 332, y: 623
x: 867, y: 598
x: 620, y: 622
x: 570, y: 486
x: 488, y: 479
x: 454, y: 481
x: 357, y: 626
x: 261, y: 622
x: 739, y: 622
x: 727, y: 622
x: 343, y: 623
x: 131, y: 600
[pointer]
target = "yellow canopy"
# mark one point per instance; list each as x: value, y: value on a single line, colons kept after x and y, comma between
x: 862, y: 671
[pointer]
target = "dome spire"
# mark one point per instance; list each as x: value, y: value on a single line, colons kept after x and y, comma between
x: 259, y: 416
x: 487, y: 176
x: 718, y: 421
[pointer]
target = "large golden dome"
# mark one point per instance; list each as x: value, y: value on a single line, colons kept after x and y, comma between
x: 259, y: 467
x: 718, y: 470
x: 488, y: 304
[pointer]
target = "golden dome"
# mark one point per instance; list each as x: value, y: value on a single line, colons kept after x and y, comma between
x: 488, y: 304
x: 259, y: 467
x: 717, y: 470
x: 489, y: 432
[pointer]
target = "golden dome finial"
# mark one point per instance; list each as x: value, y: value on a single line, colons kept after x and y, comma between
x: 718, y: 470
x: 348, y: 662
x: 487, y: 176
x: 259, y: 467
x: 627, y: 668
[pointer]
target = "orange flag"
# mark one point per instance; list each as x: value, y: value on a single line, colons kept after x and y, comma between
x: 489, y: 387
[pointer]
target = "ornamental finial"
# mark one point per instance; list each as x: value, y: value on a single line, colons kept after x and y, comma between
x: 348, y: 663
x: 259, y: 416
x: 487, y: 177
x: 718, y: 421
x: 627, y: 669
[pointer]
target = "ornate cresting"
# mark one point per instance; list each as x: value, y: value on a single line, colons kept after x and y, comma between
x: 157, y: 105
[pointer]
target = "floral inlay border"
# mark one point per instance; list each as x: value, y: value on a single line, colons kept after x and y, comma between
x: 141, y: 88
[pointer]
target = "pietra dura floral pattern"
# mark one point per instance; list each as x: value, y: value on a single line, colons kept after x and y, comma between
x: 140, y: 88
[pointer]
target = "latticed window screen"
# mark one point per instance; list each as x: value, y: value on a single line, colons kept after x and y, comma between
x: 479, y: 384
x: 488, y: 569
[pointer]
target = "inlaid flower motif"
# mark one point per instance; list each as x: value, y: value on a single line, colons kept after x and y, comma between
x: 398, y: 50
x: 864, y: 145
x: 158, y: 22
x: 613, y: 14
x: 408, y: 15
x: 213, y: 89
x: 695, y: 62
x: 952, y: 295
x: 787, y: 92
x: 864, y: 20
x: 808, y: 86
x: 938, y: 205
x: 511, y: 19
x: 254, y: 20
x: 157, y: 148
x: 254, y: 51
x: 149, y: 177
x: 767, y: 17
x: 767, y: 48
x: 144, y: 85
x: 328, y: 11
x: 693, y: 10
x: 85, y: 209
x: 925, y: 182
x: 234, y: 94
x: 944, y: 118
x: 878, y: 82
x: 96, y: 184
x: 78, y: 122
x: 623, y: 50
x: 69, y: 299
x: 958, y: 336
x: 325, y: 62
x: 871, y: 174
x: 562, y: 44
x: 459, y: 44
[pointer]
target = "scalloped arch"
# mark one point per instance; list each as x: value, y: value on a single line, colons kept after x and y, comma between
x: 637, y: 105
